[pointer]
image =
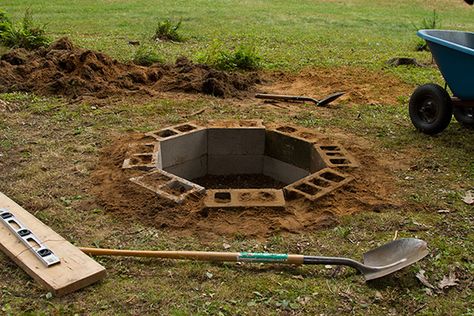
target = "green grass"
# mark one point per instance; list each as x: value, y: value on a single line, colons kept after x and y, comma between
x: 146, y: 55
x: 244, y: 57
x: 136, y: 286
x: 430, y: 173
x: 290, y: 36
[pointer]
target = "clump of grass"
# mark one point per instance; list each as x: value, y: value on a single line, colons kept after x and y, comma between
x: 243, y: 57
x: 430, y: 23
x: 27, y: 34
x: 168, y: 31
x: 146, y: 55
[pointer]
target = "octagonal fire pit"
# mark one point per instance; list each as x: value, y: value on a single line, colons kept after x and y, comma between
x: 239, y: 163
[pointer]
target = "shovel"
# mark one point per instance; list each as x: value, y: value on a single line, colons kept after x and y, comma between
x: 279, y: 97
x: 377, y: 263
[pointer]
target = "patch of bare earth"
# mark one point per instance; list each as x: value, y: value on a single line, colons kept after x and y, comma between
x: 372, y: 190
x: 361, y: 85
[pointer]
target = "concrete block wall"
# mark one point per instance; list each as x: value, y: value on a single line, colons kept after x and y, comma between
x: 235, y: 150
x: 296, y: 156
x: 289, y: 149
x: 282, y: 171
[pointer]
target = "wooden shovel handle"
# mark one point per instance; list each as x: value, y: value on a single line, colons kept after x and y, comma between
x: 281, y: 97
x: 198, y: 255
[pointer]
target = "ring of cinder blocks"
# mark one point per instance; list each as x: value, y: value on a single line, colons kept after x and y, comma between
x: 309, y: 164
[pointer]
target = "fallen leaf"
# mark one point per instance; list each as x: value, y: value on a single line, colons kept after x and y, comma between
x: 449, y: 281
x: 378, y: 295
x: 468, y: 197
x: 209, y: 275
x: 421, y: 277
x: 225, y: 246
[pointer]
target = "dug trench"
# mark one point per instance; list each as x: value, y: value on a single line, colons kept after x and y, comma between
x: 372, y: 190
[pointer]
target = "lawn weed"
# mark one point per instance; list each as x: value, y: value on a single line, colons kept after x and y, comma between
x: 146, y: 55
x: 167, y: 30
x: 243, y: 57
x: 27, y: 34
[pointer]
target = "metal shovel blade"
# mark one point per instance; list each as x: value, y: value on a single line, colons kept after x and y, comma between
x: 392, y: 257
x: 330, y: 98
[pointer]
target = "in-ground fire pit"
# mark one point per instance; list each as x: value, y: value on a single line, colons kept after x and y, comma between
x: 219, y: 161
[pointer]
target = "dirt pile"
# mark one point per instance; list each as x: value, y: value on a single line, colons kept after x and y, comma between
x: 64, y: 69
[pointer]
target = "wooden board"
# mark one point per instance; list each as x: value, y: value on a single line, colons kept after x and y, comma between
x: 76, y: 269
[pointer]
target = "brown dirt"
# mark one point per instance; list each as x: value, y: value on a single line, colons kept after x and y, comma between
x: 241, y: 181
x: 80, y: 74
x: 362, y: 86
x: 67, y: 70
x: 372, y: 190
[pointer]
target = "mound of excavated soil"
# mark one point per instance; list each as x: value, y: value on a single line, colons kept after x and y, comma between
x: 64, y: 69
x: 372, y: 190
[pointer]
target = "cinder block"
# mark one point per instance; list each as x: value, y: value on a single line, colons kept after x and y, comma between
x: 187, y: 146
x: 318, y: 160
x: 288, y: 149
x: 143, y: 161
x: 332, y: 156
x: 190, y: 169
x: 234, y: 164
x: 168, y: 186
x: 236, y: 141
x: 318, y: 184
x: 244, y: 198
x: 282, y: 171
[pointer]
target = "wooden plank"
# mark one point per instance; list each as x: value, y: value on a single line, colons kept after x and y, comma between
x: 75, y: 271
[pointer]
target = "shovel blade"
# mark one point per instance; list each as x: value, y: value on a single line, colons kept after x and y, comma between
x: 330, y: 98
x: 393, y: 256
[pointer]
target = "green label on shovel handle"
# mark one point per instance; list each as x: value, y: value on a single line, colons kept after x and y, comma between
x: 261, y: 257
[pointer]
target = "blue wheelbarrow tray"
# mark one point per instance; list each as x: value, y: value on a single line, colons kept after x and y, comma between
x: 453, y: 52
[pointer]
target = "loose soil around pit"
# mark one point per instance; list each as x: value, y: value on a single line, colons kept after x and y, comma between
x: 372, y: 190
x: 67, y: 70
x: 63, y: 69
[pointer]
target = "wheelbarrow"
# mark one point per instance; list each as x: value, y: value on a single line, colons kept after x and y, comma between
x: 431, y: 107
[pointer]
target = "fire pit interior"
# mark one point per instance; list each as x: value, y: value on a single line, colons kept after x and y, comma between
x: 239, y: 163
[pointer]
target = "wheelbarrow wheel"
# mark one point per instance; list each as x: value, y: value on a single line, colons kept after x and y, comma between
x: 430, y: 108
x: 465, y: 116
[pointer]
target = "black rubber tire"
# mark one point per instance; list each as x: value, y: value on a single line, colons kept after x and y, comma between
x: 430, y: 108
x: 465, y: 116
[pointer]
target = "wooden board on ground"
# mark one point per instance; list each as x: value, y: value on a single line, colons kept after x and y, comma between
x: 75, y: 271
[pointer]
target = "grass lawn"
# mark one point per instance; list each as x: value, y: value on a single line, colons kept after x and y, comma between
x: 37, y: 134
